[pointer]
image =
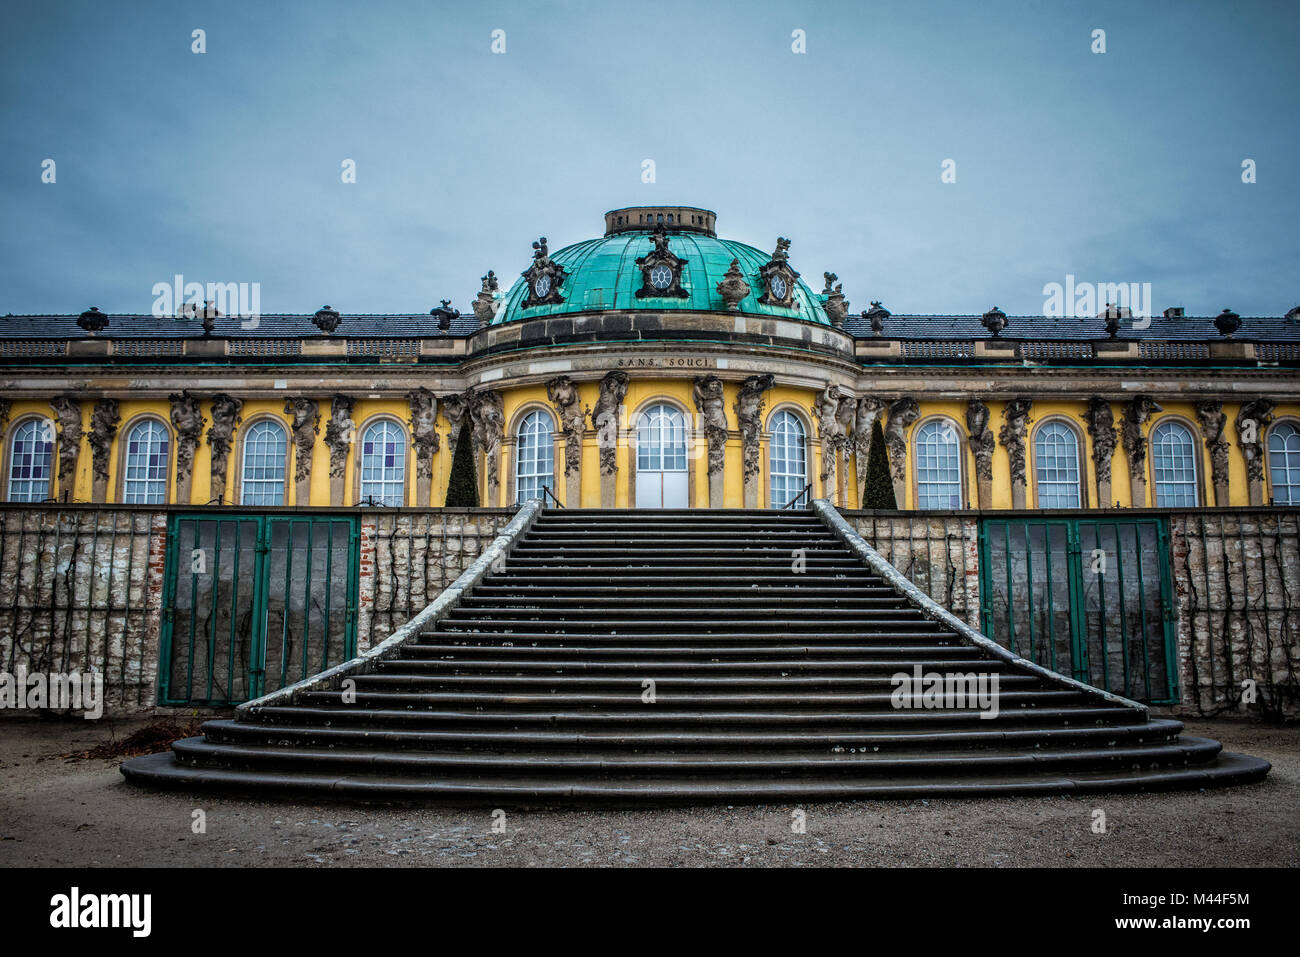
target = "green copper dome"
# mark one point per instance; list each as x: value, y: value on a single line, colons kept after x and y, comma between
x: 603, y: 275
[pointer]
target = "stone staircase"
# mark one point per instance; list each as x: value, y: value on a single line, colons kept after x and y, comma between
x: 533, y: 686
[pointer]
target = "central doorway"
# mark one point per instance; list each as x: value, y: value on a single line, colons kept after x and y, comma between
x: 661, y: 474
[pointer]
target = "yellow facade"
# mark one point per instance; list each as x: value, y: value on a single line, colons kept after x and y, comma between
x: 641, y: 393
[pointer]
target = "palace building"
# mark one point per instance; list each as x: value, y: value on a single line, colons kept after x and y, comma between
x: 656, y: 365
x: 210, y: 507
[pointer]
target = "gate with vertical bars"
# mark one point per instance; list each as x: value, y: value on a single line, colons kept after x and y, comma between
x: 1090, y: 598
x: 252, y: 603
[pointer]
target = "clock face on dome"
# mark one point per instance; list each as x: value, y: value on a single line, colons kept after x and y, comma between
x: 661, y: 277
x: 777, y: 287
x: 541, y: 286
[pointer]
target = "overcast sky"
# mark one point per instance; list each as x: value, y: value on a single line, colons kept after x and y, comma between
x: 1124, y: 166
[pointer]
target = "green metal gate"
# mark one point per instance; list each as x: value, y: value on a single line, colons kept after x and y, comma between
x: 1091, y: 598
x: 252, y: 603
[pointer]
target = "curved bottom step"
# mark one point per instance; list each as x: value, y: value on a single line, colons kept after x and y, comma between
x: 162, y: 770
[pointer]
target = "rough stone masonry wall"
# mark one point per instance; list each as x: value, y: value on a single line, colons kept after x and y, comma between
x: 81, y: 590
x: 939, y: 553
x: 1237, y: 577
x: 407, y: 558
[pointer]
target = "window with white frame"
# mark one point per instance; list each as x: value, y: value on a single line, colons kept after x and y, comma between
x: 535, y: 458
x: 1173, y: 465
x: 31, y: 456
x: 1056, y: 466
x: 938, y: 465
x: 661, y: 440
x: 383, y: 464
x: 1284, y: 463
x: 144, y: 476
x: 787, y: 458
x: 265, y: 455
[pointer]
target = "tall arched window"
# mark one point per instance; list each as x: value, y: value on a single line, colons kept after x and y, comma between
x: 144, y: 476
x: 262, y: 474
x: 535, y: 458
x: 31, y: 452
x: 1056, y: 466
x: 661, y: 476
x: 1284, y: 463
x: 938, y: 466
x: 1173, y: 464
x: 383, y: 464
x: 787, y: 460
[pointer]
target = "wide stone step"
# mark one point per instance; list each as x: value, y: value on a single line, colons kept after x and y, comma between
x: 355, y: 715
x: 811, y: 665
x: 631, y: 699
x: 667, y: 686
x: 163, y: 770
x: 1025, y: 735
x: 198, y: 752
x: 856, y: 624
x: 658, y: 603
x: 907, y: 654
x: 677, y: 590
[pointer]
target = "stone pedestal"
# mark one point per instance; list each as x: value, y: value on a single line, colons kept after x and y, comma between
x: 716, y: 489
x: 1017, y: 495
x: 984, y: 489
x: 608, y: 489
x: 573, y: 489
x: 1137, y: 484
x: 337, y: 484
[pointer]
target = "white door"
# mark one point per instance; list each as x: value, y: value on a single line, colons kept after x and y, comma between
x: 661, y: 473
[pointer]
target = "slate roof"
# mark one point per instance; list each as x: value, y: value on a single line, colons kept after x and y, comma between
x: 269, y: 327
x: 966, y: 328
x: 416, y: 326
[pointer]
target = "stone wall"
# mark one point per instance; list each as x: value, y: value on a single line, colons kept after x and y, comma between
x: 81, y: 591
x: 937, y: 551
x: 1237, y: 578
x: 408, y: 557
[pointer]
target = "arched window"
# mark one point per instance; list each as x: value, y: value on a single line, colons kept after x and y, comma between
x: 144, y: 478
x: 383, y: 464
x: 787, y: 461
x: 535, y: 458
x: 1284, y: 463
x: 31, y: 452
x: 661, y: 477
x: 262, y: 474
x: 938, y: 466
x: 1056, y: 466
x: 1173, y: 464
x: 661, y: 440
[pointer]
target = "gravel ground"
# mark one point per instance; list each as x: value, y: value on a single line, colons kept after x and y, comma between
x: 79, y: 812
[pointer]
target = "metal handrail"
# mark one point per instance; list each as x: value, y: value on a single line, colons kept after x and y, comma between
x: 547, y: 493
x: 806, y: 489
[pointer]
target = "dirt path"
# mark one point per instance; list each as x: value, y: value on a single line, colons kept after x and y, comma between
x: 79, y: 812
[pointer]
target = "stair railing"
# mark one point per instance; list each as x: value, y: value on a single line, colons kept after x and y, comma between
x: 803, y: 494
x: 547, y: 493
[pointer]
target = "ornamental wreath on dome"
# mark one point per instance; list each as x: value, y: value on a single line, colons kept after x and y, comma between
x: 661, y: 270
x: 543, y: 278
x: 778, y: 278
